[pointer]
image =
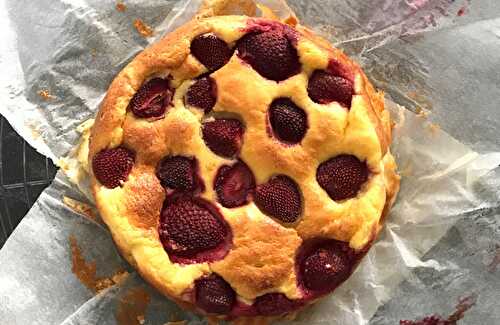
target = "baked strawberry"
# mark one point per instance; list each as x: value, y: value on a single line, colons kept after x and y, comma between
x: 279, y: 198
x: 274, y: 304
x: 214, y: 295
x: 288, y: 121
x: 211, y: 51
x: 342, y: 176
x: 324, y: 87
x: 112, y: 166
x: 234, y: 185
x: 178, y: 173
x: 188, y: 226
x: 270, y: 53
x: 325, y: 268
x: 152, y: 99
x: 202, y: 94
x: 223, y: 136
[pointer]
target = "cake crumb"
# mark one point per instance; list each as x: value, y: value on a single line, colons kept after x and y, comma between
x: 120, y: 276
x: 44, y: 93
x: 120, y: 6
x: 80, y: 207
x: 142, y: 28
x: 117, y: 278
x: 102, y: 284
x: 76, y: 164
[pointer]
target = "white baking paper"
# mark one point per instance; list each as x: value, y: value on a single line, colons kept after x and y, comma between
x: 420, y: 52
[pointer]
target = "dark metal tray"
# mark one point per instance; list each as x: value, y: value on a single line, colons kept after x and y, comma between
x: 24, y: 174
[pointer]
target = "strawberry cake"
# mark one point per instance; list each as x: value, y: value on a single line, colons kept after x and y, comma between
x: 243, y: 167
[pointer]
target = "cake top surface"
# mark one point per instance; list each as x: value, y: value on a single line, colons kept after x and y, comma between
x: 243, y: 159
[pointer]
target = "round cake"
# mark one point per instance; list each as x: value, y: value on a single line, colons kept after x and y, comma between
x: 243, y: 166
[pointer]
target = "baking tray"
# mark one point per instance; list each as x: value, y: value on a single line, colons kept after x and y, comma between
x: 24, y: 174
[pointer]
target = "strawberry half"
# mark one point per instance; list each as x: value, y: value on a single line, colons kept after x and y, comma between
x: 234, y: 185
x: 274, y: 304
x: 214, y: 295
x: 211, y: 51
x: 270, y: 53
x: 152, y: 99
x: 112, y: 166
x: 189, y: 226
x: 323, y: 264
x: 279, y: 198
x: 325, y: 87
x: 223, y: 136
x: 288, y: 121
x: 178, y: 173
x: 202, y: 94
x: 342, y: 176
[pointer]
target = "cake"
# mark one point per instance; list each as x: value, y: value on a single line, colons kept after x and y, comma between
x: 243, y: 166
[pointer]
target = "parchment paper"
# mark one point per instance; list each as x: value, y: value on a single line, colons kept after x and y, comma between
x: 441, y: 239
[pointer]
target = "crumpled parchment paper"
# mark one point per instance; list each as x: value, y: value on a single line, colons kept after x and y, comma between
x: 441, y: 241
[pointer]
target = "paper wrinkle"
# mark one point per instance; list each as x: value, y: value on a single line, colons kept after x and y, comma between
x: 381, y: 21
x: 443, y: 180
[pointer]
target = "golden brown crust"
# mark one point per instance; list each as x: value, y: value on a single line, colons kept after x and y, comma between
x: 145, y: 198
x: 392, y: 184
x: 262, y: 255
